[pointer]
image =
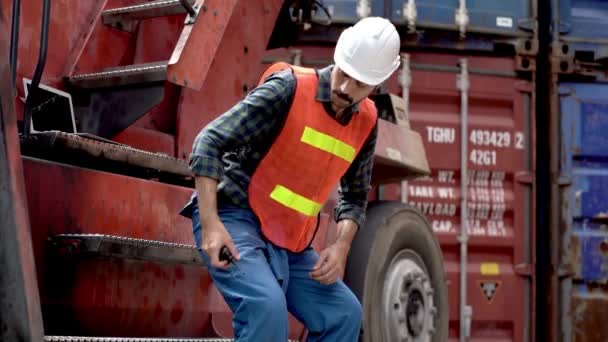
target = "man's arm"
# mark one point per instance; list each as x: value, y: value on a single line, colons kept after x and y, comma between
x: 252, y: 119
x: 355, y: 186
x: 349, y: 213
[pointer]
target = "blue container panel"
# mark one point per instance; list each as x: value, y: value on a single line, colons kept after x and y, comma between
x: 589, y: 195
x: 584, y: 109
x: 345, y: 11
x: 489, y: 14
x: 584, y: 202
x: 591, y: 244
x: 584, y: 18
x: 584, y: 134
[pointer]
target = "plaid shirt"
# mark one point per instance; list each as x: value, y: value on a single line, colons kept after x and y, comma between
x: 230, y: 148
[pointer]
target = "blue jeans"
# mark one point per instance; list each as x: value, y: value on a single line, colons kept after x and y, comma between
x: 269, y: 281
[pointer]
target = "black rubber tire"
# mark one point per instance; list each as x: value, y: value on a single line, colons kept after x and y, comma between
x: 392, y: 227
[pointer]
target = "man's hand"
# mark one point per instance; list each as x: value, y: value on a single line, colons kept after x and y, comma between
x: 331, y: 264
x: 214, y: 237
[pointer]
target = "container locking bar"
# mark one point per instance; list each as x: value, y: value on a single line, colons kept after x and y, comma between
x: 410, y: 14
x: 461, y: 17
x: 466, y: 311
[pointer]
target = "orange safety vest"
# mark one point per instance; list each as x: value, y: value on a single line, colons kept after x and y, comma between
x: 304, y: 164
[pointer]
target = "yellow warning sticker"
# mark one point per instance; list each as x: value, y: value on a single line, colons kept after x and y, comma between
x: 489, y: 268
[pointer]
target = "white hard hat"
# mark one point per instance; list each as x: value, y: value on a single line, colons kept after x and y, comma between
x: 369, y: 50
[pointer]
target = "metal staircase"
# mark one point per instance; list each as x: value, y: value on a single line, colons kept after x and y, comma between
x: 130, y: 91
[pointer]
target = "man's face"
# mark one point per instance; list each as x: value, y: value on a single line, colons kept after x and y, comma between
x: 346, y: 90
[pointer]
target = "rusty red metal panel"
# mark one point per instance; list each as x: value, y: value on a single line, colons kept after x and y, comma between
x: 233, y: 71
x: 199, y: 43
x: 78, y: 40
x: 501, y: 198
x: 20, y: 316
x: 147, y: 140
x: 100, y: 46
x: 120, y: 297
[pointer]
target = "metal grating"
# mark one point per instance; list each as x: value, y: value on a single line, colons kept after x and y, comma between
x: 99, y: 245
x: 133, y: 339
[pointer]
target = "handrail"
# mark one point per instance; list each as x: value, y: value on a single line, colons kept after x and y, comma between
x: 15, y: 40
x: 191, y: 11
x: 44, y: 40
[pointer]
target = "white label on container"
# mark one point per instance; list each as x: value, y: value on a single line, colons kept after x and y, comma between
x: 504, y: 22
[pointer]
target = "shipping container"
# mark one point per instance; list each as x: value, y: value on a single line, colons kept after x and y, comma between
x: 584, y: 211
x: 451, y: 24
x: 581, y: 43
x: 582, y: 20
x: 511, y: 18
x: 500, y: 201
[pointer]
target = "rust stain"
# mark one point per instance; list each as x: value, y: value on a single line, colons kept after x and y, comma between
x: 574, y: 263
x: 179, y: 272
x: 177, y: 312
x: 157, y: 310
x: 588, y: 311
x: 604, y: 247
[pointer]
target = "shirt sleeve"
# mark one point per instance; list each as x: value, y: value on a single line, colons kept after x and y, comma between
x: 248, y: 121
x: 355, y: 184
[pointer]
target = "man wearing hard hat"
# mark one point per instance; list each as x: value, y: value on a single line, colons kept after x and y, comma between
x: 263, y: 171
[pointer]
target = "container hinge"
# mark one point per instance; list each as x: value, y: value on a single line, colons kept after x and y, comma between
x: 364, y: 8
x: 461, y: 17
x: 524, y: 177
x: 563, y: 180
x: 565, y: 271
x: 565, y: 91
x: 405, y: 78
x: 528, y: 24
x: 410, y: 14
x: 524, y: 87
x: 563, y: 27
x: 524, y: 269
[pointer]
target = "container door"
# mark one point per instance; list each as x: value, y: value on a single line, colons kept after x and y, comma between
x: 584, y: 132
x: 502, y: 17
x: 500, y: 191
x: 584, y: 18
x: 347, y: 11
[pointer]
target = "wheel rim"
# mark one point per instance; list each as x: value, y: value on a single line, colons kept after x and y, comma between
x: 409, y: 309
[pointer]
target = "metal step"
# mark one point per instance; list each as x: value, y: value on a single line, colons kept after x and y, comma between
x: 128, y: 74
x: 123, y: 17
x: 102, y: 154
x: 99, y: 245
x: 127, y: 339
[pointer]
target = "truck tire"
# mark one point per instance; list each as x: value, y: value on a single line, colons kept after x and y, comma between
x: 395, y: 268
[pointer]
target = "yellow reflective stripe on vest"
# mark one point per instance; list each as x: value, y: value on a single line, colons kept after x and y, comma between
x: 294, y: 201
x: 328, y: 143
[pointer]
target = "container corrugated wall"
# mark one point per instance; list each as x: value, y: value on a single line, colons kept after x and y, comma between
x: 580, y: 106
x: 480, y: 25
x: 500, y: 193
x: 584, y: 163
